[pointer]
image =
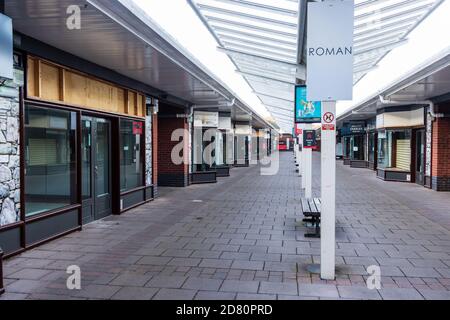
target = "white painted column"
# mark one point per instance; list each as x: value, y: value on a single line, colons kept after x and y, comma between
x: 300, y: 153
x: 328, y: 192
x: 307, y: 170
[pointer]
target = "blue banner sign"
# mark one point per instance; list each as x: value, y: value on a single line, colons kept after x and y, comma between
x: 306, y: 111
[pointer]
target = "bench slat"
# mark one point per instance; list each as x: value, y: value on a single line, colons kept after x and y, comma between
x: 313, y: 206
x: 305, y: 205
x: 318, y: 203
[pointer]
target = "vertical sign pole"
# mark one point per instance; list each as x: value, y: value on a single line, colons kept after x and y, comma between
x: 328, y: 191
x: 307, y: 157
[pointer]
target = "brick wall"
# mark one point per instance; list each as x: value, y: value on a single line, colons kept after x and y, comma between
x: 169, y: 173
x: 441, y: 152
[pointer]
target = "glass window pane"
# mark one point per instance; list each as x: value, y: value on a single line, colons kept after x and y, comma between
x: 131, y: 165
x: 50, y: 159
x: 102, y: 159
x: 86, y: 157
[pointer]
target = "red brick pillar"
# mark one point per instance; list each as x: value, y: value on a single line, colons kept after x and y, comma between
x: 169, y: 173
x: 441, y: 152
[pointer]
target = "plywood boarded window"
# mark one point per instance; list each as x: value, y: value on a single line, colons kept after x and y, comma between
x: 53, y: 83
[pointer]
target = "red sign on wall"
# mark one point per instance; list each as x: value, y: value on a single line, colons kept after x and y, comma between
x: 137, y: 127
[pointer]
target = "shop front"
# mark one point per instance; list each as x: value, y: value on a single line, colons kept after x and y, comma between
x: 401, y: 144
x: 372, y: 141
x: 242, y: 144
x: 77, y: 132
x: 354, y: 141
x: 206, y: 137
x: 224, y: 145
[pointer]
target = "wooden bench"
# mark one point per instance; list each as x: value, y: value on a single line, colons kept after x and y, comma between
x: 2, y: 289
x: 311, y: 210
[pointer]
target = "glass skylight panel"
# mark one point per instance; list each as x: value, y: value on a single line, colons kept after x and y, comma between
x: 261, y: 38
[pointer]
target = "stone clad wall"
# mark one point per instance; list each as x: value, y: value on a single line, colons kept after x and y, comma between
x: 9, y: 160
x: 148, y: 150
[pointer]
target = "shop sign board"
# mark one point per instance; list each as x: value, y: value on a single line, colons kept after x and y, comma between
x: 206, y: 119
x: 243, y: 129
x: 330, y: 50
x: 309, y: 139
x: 224, y: 123
x: 306, y: 111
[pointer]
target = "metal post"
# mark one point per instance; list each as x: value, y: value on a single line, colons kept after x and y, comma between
x: 299, y: 152
x: 328, y: 191
x: 307, y: 171
x: 2, y: 289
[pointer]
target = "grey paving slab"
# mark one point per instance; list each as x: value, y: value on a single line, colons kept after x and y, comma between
x: 430, y: 294
x: 134, y: 293
x: 175, y: 294
x: 167, y: 281
x: 318, y: 290
x: 240, y: 286
x: 247, y: 237
x: 202, y: 284
x: 95, y: 291
x: 400, y: 294
x: 252, y: 296
x: 211, y: 295
x: 285, y: 288
x: 358, y: 292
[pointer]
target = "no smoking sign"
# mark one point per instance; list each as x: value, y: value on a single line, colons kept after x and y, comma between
x: 328, y: 119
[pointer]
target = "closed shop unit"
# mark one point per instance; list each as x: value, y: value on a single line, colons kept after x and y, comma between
x: 401, y: 144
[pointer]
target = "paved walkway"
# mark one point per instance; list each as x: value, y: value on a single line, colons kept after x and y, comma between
x: 242, y: 239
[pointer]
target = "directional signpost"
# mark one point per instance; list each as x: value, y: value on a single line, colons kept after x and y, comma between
x: 329, y: 78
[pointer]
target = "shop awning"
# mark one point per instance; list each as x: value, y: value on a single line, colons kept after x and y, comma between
x: 120, y: 36
x: 430, y: 81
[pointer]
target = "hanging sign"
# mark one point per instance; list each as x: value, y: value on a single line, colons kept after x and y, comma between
x: 306, y: 111
x: 137, y: 127
x: 309, y: 139
x: 330, y: 50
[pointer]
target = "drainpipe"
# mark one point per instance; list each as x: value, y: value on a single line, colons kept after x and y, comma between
x: 430, y: 103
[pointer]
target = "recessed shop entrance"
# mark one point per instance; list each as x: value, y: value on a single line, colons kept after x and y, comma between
x: 420, y: 157
x: 96, y: 168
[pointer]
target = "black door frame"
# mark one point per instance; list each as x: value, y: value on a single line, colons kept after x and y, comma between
x: 94, y: 201
x: 419, y: 177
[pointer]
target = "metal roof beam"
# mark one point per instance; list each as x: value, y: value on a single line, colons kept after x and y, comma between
x: 262, y: 7
x: 302, y: 7
x: 418, y: 11
x: 251, y: 27
x: 382, y: 47
x: 248, y: 16
x: 264, y: 77
x: 258, y: 56
x: 389, y: 8
x: 272, y: 96
x: 223, y: 32
x: 260, y: 47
